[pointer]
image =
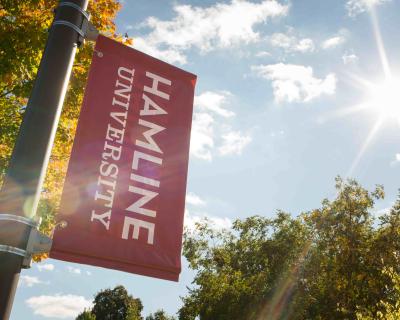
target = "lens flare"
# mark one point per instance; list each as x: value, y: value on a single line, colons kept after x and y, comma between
x: 382, y: 98
x: 385, y: 98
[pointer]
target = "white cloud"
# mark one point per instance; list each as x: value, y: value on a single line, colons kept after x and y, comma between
x: 220, y: 26
x: 234, y: 143
x: 333, y: 42
x: 305, y: 45
x: 336, y: 40
x: 355, y: 7
x: 208, y: 134
x: 349, y: 58
x: 170, y: 55
x: 202, y: 136
x: 295, y: 83
x: 278, y: 133
x: 217, y: 223
x: 214, y: 101
x: 381, y: 212
x: 28, y: 281
x: 291, y: 44
x: 74, y: 270
x: 58, y: 306
x: 396, y: 160
x: 194, y: 200
x: 262, y: 54
x: 45, y: 267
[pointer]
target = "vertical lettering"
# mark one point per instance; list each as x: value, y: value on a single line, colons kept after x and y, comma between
x: 109, y: 167
x: 102, y: 218
x: 147, y: 195
x: 154, y: 129
x: 106, y: 182
x: 124, y: 72
x: 145, y: 180
x: 114, y: 134
x: 111, y: 151
x: 124, y: 92
x: 122, y: 104
x: 120, y: 117
x: 106, y: 197
x: 154, y: 86
x: 151, y: 108
x: 137, y: 224
x: 137, y: 155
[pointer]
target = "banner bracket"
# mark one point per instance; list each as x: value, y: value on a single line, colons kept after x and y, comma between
x: 75, y: 6
x: 90, y: 31
x: 20, y: 219
x: 71, y: 25
x: 37, y: 241
x: 87, y: 31
x: 13, y: 250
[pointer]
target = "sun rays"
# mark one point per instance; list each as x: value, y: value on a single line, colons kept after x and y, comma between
x: 385, y: 98
x: 382, y: 100
x: 379, y: 43
x: 381, y: 97
x: 365, y: 146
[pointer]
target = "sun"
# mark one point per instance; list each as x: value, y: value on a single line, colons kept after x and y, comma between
x: 384, y: 98
x: 380, y: 97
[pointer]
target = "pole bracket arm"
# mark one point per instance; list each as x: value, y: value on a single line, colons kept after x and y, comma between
x: 13, y: 250
x: 86, y: 31
x: 90, y: 31
x: 37, y: 242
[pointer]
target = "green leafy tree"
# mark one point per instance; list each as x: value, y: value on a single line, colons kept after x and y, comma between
x: 385, y: 255
x: 387, y: 310
x: 329, y: 263
x: 339, y: 260
x: 159, y: 315
x: 243, y: 271
x: 86, y: 315
x: 116, y: 304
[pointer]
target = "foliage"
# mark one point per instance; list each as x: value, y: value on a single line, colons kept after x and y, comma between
x: 159, y: 315
x: 334, y: 262
x: 23, y: 31
x: 388, y: 310
x: 86, y: 315
x: 340, y: 257
x: 238, y: 270
x: 115, y: 304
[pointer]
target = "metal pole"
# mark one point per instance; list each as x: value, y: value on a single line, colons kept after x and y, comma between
x: 23, y: 182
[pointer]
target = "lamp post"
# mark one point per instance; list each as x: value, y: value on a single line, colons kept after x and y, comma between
x: 20, y: 194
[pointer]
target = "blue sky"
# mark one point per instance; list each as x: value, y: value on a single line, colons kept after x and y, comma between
x: 289, y: 95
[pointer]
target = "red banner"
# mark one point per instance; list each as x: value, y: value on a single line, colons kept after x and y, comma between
x: 124, y: 195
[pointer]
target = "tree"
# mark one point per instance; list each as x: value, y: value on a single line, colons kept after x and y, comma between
x: 86, y: 315
x: 334, y: 262
x: 387, y: 310
x: 23, y: 32
x: 239, y: 271
x: 114, y: 304
x: 339, y: 263
x: 117, y: 304
x: 159, y: 315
